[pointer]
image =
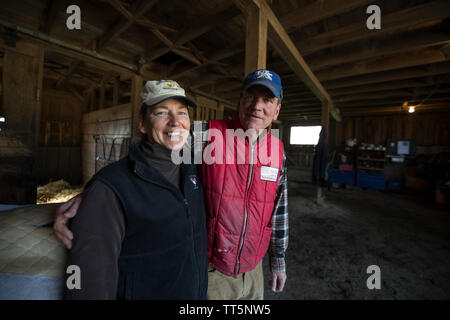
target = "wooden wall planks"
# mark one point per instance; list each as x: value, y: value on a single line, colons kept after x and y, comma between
x: 22, y: 88
x: 60, y: 137
x: 426, y: 129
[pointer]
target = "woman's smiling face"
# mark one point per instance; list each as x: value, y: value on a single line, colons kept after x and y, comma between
x: 167, y: 124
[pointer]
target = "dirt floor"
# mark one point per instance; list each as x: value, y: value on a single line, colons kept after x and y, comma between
x: 331, y: 246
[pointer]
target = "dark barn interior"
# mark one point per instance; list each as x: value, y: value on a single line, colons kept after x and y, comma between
x: 69, y: 103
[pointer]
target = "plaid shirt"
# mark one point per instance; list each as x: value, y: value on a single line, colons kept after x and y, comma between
x: 279, y: 237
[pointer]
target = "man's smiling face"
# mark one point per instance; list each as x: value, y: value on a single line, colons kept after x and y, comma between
x: 258, y: 107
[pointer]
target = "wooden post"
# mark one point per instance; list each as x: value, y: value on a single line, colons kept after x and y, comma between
x: 92, y: 100
x: 136, y: 88
x: 116, y: 91
x: 219, y: 115
x: 102, y: 96
x: 256, y: 40
x: 325, y: 117
x: 325, y: 122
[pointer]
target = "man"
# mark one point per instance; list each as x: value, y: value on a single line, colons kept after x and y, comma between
x: 246, y: 203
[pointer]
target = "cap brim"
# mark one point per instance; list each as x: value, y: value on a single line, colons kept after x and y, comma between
x: 189, y: 101
x: 265, y: 83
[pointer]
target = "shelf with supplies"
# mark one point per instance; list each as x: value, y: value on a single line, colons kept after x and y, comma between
x: 370, y: 158
x: 370, y: 162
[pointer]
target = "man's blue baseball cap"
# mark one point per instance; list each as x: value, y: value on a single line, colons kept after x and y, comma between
x: 266, y: 78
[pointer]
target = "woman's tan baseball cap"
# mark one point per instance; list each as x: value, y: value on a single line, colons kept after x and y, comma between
x: 156, y: 91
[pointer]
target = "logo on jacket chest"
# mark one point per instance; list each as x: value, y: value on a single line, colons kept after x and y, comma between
x: 269, y: 173
x: 194, y: 181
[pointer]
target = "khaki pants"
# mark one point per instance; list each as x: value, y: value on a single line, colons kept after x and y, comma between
x: 247, y: 286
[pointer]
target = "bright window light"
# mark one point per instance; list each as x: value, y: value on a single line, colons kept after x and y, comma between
x: 308, y: 135
x: 2, y: 119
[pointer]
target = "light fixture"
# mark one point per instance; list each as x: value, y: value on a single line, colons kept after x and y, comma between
x: 405, y: 105
x: 2, y: 119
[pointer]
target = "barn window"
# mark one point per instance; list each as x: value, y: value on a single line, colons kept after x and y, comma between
x: 305, y: 135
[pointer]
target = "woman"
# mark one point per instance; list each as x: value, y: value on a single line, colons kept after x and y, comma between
x: 140, y: 230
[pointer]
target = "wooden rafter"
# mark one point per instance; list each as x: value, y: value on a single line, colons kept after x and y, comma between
x: 51, y: 12
x: 318, y: 10
x: 378, y: 47
x: 390, y: 75
x: 192, y: 33
x: 130, y: 18
x: 72, y: 70
x: 214, y: 58
x: 399, y: 21
x: 384, y: 63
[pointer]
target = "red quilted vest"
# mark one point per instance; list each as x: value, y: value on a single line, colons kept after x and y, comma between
x: 239, y: 197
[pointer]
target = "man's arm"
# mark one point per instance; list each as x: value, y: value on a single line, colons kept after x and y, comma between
x: 280, y: 232
x: 63, y: 213
x: 98, y: 229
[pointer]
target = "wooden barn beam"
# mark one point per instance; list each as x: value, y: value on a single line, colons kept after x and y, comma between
x: 384, y: 63
x: 391, y: 75
x: 131, y: 18
x: 255, y: 40
x: 71, y: 50
x: 309, y: 109
x: 379, y: 87
x: 72, y: 70
x: 409, y: 19
x: 231, y: 86
x: 378, y: 47
x: 146, y: 23
x: 202, y: 81
x: 381, y: 95
x: 396, y: 22
x: 194, y: 32
x: 51, y: 12
x: 392, y: 94
x: 216, y: 78
x: 304, y: 110
x: 395, y: 109
x: 214, y: 58
x: 75, y: 93
x: 116, y: 91
x: 435, y: 98
x: 283, y: 44
x: 318, y: 10
x: 207, y: 24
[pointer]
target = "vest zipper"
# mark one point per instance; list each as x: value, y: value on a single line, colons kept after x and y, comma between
x: 245, y: 207
x: 186, y: 207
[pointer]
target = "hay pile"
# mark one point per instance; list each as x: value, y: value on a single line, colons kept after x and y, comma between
x: 58, y: 191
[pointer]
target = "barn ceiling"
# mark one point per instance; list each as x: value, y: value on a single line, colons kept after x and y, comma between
x: 201, y: 44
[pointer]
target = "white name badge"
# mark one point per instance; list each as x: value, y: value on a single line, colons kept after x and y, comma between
x: 269, y: 173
